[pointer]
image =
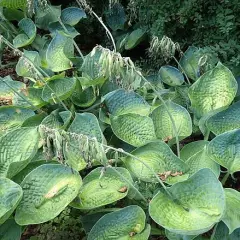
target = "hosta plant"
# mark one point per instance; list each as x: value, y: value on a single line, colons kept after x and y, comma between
x: 135, y: 155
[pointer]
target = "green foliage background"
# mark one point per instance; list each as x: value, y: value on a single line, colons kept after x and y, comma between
x: 213, y: 25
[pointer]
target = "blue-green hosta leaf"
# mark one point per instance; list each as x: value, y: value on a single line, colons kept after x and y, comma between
x: 91, y: 66
x: 175, y: 236
x: 83, y: 97
x: 222, y: 233
x: 135, y: 38
x: 133, y: 129
x: 189, y: 62
x: 181, y: 96
x: 23, y: 68
x: 203, y: 120
x: 47, y: 15
x: 116, y: 17
x: 121, y: 102
x: 121, y: 41
x: 225, y: 120
x: 30, y: 167
x: 201, y: 160
x: 163, y: 124
x: 14, y: 4
x: 192, y: 148
x: 17, y: 148
x: 35, y: 120
x: 33, y: 95
x: 225, y: 150
x: 13, y: 117
x: 72, y: 15
x: 59, y: 51
x: 171, y: 76
x: 57, y: 120
x: 10, y: 195
x: 6, y: 93
x: 85, y: 124
x: 47, y: 190
x: 63, y: 88
x: 127, y: 223
x: 159, y: 157
x: 29, y: 30
x: 194, y: 207
x: 100, y: 191
x: 232, y: 213
x: 10, y: 230
x: 209, y: 91
x: 55, y: 27
x: 12, y: 14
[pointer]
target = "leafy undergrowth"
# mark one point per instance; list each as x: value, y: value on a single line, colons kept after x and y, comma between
x: 93, y: 148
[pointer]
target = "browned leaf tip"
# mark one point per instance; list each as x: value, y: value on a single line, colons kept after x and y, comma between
x: 5, y: 101
x: 165, y: 175
x: 131, y: 234
x: 123, y: 189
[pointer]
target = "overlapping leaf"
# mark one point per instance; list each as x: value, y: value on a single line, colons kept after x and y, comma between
x: 10, y: 230
x: 171, y: 76
x: 232, y: 213
x: 135, y: 38
x: 102, y: 187
x: 76, y: 154
x: 13, y: 117
x: 14, y: 4
x: 59, y: 51
x: 72, y: 15
x: 29, y: 30
x: 156, y: 157
x: 47, y: 190
x: 189, y: 62
x: 134, y: 129
x: 23, y: 68
x: 225, y: 150
x: 10, y: 195
x: 63, y: 88
x: 214, y: 89
x: 116, y: 17
x: 121, y: 102
x: 192, y: 148
x: 17, y: 148
x: 163, y: 125
x: 127, y: 223
x: 225, y: 120
x: 194, y: 206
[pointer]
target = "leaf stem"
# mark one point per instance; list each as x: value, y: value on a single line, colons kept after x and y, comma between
x: 225, y: 178
x: 74, y: 43
x: 207, y: 135
x: 168, y: 112
x: 214, y: 232
x: 178, y: 63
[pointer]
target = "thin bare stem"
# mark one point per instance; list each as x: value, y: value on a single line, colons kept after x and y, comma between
x: 74, y: 43
x: 168, y: 112
x: 101, y: 21
x: 178, y: 63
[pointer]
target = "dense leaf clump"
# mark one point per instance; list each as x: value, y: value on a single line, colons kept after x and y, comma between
x: 92, y: 142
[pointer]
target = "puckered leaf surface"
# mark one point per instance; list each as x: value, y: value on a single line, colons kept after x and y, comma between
x: 127, y: 223
x: 194, y: 207
x: 47, y: 190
